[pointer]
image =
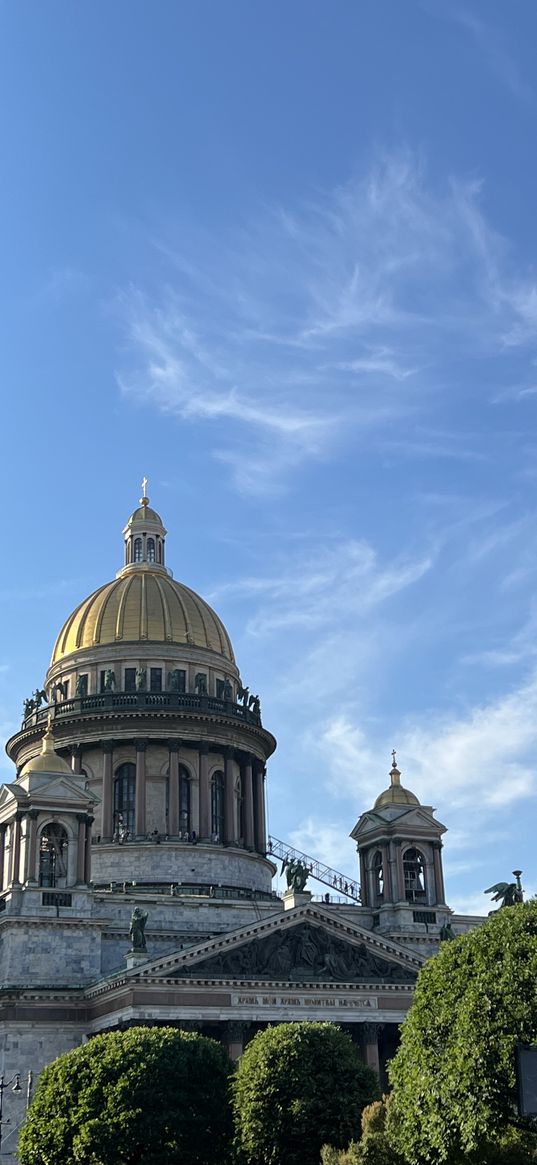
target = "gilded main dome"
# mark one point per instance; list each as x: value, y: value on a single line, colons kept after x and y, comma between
x: 143, y: 606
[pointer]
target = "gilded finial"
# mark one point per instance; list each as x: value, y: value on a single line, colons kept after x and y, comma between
x: 394, y: 771
x: 144, y: 500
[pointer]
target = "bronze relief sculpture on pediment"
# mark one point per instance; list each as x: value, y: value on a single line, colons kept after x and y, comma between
x: 303, y: 953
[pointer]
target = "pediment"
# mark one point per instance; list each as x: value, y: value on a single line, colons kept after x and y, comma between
x: 302, y: 945
x: 398, y: 819
x: 11, y: 796
x: 60, y: 791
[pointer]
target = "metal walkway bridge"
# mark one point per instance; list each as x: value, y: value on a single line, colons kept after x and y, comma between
x: 332, y: 878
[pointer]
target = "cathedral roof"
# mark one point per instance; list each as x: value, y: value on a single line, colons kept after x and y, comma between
x: 143, y: 606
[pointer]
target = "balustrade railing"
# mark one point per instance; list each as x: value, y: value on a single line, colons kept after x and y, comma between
x: 142, y: 701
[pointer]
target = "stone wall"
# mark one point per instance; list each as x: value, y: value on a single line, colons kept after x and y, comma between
x: 175, y: 862
x: 24, y: 1048
x: 51, y: 951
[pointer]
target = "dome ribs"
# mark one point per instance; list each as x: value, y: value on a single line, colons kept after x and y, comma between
x: 168, y: 632
x: 143, y: 606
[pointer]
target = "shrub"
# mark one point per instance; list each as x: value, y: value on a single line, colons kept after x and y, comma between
x: 297, y: 1087
x: 155, y: 1095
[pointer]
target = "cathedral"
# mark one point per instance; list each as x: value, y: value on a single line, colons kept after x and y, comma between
x: 137, y: 872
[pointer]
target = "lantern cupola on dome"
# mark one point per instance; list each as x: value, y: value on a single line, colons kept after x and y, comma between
x: 145, y: 538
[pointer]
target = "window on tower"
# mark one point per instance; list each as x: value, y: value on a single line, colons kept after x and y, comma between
x: 378, y: 879
x: 137, y: 550
x: 53, y: 856
x: 125, y: 797
x: 150, y: 549
x: 184, y: 800
x: 217, y: 806
x: 414, y: 874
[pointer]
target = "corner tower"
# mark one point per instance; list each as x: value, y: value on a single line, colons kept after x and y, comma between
x: 399, y: 843
x: 148, y: 706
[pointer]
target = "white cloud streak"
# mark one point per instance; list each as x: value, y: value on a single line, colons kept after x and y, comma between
x: 328, y: 322
x: 312, y: 590
x: 485, y: 754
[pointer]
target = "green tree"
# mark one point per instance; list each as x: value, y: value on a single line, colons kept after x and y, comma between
x: 373, y: 1148
x: 297, y: 1087
x: 152, y: 1095
x: 454, y: 1073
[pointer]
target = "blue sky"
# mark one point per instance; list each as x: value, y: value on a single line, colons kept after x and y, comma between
x: 281, y: 258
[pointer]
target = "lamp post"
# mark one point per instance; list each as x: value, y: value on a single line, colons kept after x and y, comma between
x: 3, y: 1085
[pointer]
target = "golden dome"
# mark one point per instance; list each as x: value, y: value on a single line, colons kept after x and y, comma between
x: 143, y: 605
x: 47, y: 761
x: 396, y: 794
x: 145, y: 513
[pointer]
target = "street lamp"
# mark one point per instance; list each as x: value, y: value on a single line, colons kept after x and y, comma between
x: 3, y: 1085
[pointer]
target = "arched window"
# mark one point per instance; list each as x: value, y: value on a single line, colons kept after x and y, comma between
x: 184, y: 800
x: 125, y: 797
x: 150, y: 549
x: 414, y: 872
x: 159, y: 550
x: 53, y: 856
x: 217, y: 806
x: 137, y: 550
x: 378, y: 879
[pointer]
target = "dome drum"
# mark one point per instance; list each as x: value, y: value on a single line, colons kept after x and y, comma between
x: 171, y: 865
x: 139, y: 667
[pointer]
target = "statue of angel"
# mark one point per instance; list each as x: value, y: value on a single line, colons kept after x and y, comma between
x: 507, y: 893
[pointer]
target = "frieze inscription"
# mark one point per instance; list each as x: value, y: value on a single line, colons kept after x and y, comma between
x: 301, y: 1001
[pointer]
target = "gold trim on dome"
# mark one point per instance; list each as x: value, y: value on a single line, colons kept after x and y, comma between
x: 166, y: 612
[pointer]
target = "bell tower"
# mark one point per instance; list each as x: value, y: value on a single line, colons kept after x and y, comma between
x: 399, y: 843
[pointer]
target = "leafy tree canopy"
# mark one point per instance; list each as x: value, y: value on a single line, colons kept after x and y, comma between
x: 454, y: 1073
x: 297, y: 1087
x: 155, y: 1095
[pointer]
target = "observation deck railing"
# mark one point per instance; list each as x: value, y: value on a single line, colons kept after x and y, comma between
x: 318, y: 870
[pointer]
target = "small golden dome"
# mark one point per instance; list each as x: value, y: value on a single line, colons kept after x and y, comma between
x: 145, y: 514
x: 396, y: 794
x: 143, y: 605
x: 47, y: 760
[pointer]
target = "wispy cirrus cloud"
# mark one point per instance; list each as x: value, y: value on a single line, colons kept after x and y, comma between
x: 313, y: 588
x: 493, y: 49
x: 324, y: 323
